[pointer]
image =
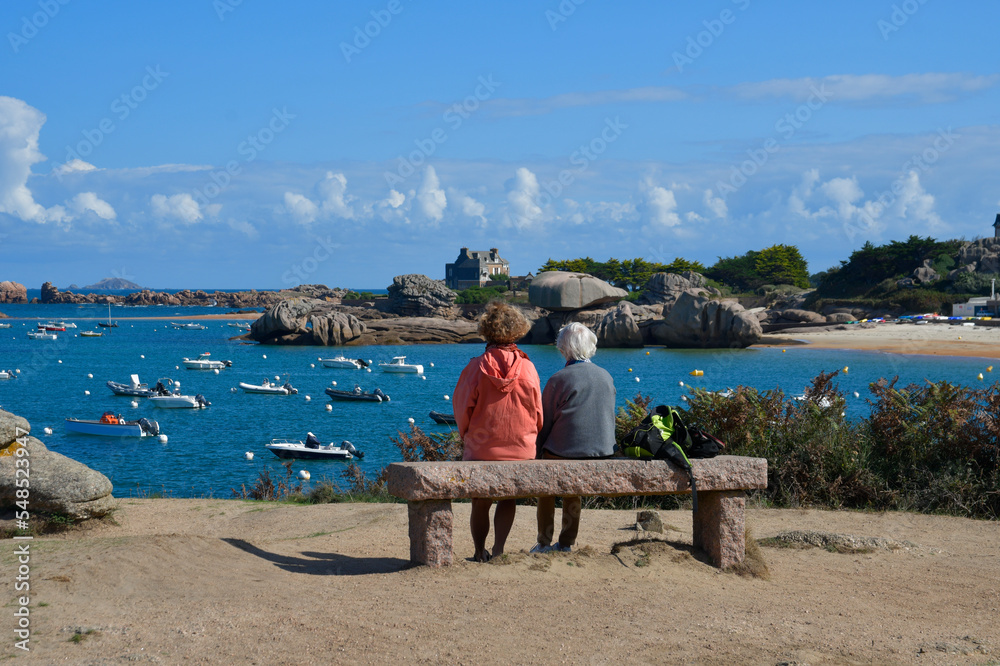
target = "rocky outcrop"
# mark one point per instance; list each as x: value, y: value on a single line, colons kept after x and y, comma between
x: 619, y: 328
x: 984, y: 253
x: 800, y: 316
x: 416, y: 295
x: 237, y: 299
x: 565, y: 290
x: 418, y: 330
x: 840, y: 318
x: 306, y: 321
x: 666, y: 288
x: 697, y: 322
x: 59, y: 484
x: 13, y: 292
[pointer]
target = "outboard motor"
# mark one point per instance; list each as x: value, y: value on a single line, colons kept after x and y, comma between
x: 228, y: 364
x: 149, y: 426
x: 364, y: 364
x: 200, y: 399
x: 381, y: 395
x: 351, y: 449
x: 291, y: 390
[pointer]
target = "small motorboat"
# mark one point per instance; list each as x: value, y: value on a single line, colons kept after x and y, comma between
x: 8, y: 374
x: 203, y: 362
x: 358, y: 395
x: 189, y: 327
x: 137, y: 389
x: 51, y: 327
x: 90, y: 334
x: 64, y: 324
x: 110, y: 425
x: 269, y: 389
x: 312, y: 449
x: 399, y: 364
x: 42, y: 335
x: 242, y: 325
x: 4, y: 325
x: 342, y: 362
x: 443, y: 418
x: 177, y: 401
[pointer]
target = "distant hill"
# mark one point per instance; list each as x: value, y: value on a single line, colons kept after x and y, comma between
x: 112, y: 283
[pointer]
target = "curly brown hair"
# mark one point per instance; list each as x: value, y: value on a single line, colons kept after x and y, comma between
x: 502, y: 323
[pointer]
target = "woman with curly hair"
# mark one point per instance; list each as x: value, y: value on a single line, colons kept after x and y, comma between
x: 498, y: 411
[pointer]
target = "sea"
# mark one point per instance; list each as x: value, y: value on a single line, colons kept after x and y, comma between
x: 205, y: 451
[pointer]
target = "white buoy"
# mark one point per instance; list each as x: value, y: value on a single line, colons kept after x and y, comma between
x: 409, y: 420
x: 329, y: 408
x: 684, y: 398
x: 636, y: 379
x: 248, y: 455
x: 369, y: 361
x: 304, y: 474
x: 312, y: 365
x: 86, y: 392
x: 142, y: 356
x: 90, y: 376
x: 308, y: 398
x: 857, y: 395
x: 333, y: 383
x: 432, y: 365
x: 47, y: 431
x: 233, y: 390
x: 447, y: 398
x: 368, y: 369
x: 277, y: 378
x: 263, y: 355
x: 162, y: 439
x: 18, y: 371
x: 319, y: 358
x: 177, y: 384
x: 216, y: 371
x: 422, y: 377
x: 59, y: 361
x: 680, y: 383
x: 135, y: 403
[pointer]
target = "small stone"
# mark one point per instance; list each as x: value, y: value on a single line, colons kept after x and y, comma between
x: 649, y: 521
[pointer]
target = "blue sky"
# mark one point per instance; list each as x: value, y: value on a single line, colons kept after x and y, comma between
x: 230, y: 144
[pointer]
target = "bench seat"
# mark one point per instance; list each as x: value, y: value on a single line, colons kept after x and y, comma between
x: 719, y: 523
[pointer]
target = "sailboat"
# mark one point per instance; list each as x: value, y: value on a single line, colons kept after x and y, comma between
x: 110, y: 324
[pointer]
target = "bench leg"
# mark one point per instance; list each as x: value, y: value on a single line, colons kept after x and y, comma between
x: 720, y: 526
x: 430, y: 532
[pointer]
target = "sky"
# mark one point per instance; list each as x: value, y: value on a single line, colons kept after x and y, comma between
x: 230, y: 144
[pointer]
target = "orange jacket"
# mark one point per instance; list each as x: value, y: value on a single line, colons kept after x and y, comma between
x: 498, y: 406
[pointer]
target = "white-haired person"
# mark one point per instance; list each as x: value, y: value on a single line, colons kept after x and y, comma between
x: 578, y: 422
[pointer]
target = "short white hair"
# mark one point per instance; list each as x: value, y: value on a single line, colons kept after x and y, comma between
x: 576, y: 342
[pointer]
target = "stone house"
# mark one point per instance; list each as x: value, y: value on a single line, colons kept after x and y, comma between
x: 476, y: 268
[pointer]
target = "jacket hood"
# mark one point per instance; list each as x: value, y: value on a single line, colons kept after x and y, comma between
x: 502, y: 368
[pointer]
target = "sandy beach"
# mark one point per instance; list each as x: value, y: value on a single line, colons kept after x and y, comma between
x: 210, y: 581
x: 931, y: 339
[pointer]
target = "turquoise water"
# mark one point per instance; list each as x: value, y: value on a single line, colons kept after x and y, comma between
x: 204, y: 454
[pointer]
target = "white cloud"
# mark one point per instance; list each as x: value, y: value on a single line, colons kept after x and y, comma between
x: 471, y: 208
x: 20, y: 125
x: 180, y: 207
x: 88, y: 201
x: 244, y: 227
x: 300, y: 208
x: 333, y: 196
x: 75, y: 165
x: 395, y: 199
x: 928, y: 88
x: 716, y: 205
x: 523, y: 210
x: 527, y: 107
x: 430, y: 198
x: 843, y: 192
x: 659, y: 206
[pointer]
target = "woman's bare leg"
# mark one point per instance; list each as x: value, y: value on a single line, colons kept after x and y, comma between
x: 479, y: 522
x: 503, y: 520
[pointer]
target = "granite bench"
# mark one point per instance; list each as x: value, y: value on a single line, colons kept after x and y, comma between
x: 719, y: 522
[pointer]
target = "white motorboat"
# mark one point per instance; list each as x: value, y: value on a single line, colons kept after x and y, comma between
x: 8, y: 374
x: 42, y: 335
x: 136, y: 389
x: 177, y: 401
x: 203, y: 362
x: 269, y: 389
x: 399, y: 364
x: 242, y: 325
x: 189, y: 327
x: 4, y: 325
x: 90, y: 334
x: 343, y: 362
x: 312, y: 449
x: 62, y: 324
x: 110, y: 425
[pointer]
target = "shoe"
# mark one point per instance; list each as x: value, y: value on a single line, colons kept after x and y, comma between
x: 539, y: 548
x: 558, y: 548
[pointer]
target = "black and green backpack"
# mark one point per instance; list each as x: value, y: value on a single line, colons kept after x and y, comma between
x: 662, y: 435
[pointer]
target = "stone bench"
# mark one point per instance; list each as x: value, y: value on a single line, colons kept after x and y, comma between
x: 719, y: 523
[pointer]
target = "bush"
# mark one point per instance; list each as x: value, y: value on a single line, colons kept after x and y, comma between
x: 479, y: 295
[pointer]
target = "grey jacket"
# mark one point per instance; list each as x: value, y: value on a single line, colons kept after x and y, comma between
x: 578, y: 406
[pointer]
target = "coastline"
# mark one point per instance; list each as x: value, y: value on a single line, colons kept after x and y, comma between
x: 908, y: 339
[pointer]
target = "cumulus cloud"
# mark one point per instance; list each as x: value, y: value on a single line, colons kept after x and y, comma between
x: 523, y: 210
x: 333, y: 196
x: 300, y: 208
x: 88, y: 201
x: 716, y: 205
x: 20, y: 125
x: 430, y: 198
x: 180, y: 207
x: 75, y: 165
x: 659, y: 206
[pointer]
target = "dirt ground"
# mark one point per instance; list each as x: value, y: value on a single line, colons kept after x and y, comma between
x: 223, y: 581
